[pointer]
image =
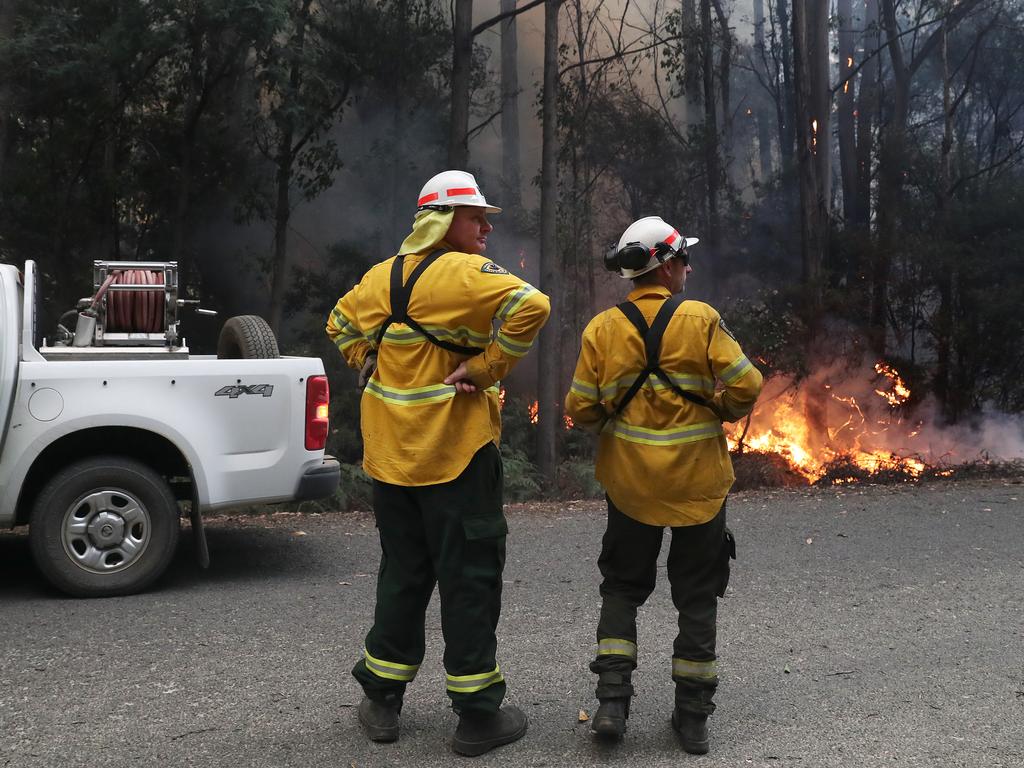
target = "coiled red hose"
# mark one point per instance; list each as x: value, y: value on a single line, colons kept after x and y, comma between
x: 133, y: 311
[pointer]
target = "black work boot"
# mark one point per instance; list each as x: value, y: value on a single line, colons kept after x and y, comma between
x: 692, y: 730
x: 477, y: 733
x: 610, y: 719
x: 379, y: 720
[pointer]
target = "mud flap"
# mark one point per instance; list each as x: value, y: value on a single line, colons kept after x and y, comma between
x: 199, y: 533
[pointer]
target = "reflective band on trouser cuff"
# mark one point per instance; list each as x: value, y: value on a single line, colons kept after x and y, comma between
x: 614, y: 646
x: 688, y: 434
x: 416, y: 396
x: 474, y: 683
x: 687, y: 668
x: 736, y: 369
x: 391, y: 670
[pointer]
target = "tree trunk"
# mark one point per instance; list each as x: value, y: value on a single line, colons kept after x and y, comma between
x: 7, y: 16
x: 764, y: 141
x: 786, y: 137
x: 284, y: 159
x: 549, y: 390
x: 190, y: 123
x: 944, y: 315
x: 845, y: 118
x: 282, y: 215
x: 711, y: 161
x: 725, y: 75
x: 692, y: 103
x: 867, y: 108
x: 510, y: 179
x: 810, y: 62
x: 462, y: 61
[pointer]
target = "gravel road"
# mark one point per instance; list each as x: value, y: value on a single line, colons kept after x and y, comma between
x: 864, y: 626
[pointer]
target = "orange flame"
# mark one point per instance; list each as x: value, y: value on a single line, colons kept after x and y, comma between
x: 816, y: 428
x: 534, y: 410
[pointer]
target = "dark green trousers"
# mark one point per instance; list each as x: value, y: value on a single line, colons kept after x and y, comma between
x: 697, y: 567
x: 452, y: 535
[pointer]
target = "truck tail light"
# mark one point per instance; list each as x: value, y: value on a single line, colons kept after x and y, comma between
x: 318, y: 400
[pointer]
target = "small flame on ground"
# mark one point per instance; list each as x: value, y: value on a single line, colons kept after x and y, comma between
x: 534, y: 410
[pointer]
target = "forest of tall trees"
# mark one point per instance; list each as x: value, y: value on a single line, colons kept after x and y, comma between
x: 854, y: 168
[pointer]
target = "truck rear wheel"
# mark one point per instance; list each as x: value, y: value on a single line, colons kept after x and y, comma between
x: 247, y: 337
x: 104, y: 526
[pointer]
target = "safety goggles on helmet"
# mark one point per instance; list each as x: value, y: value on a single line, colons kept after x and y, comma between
x: 637, y: 256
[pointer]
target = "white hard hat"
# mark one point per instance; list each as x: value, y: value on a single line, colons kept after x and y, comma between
x: 451, y: 188
x: 653, y: 234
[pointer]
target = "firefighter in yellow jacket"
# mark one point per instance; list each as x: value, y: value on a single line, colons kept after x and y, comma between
x: 646, y: 381
x: 419, y: 328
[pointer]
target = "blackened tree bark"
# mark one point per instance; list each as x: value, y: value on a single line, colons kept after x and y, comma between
x: 462, y: 62
x: 510, y: 179
x: 549, y: 384
x: 711, y: 157
x: 764, y: 141
x: 810, y: 66
x: 845, y: 119
x: 692, y: 86
x: 867, y: 109
x: 7, y: 15
x: 786, y: 134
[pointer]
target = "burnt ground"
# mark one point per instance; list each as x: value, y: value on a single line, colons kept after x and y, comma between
x: 864, y: 626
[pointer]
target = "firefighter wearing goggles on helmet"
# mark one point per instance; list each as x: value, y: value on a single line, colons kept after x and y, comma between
x: 419, y: 328
x: 646, y: 381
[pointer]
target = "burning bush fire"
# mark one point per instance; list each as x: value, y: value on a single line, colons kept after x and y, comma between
x: 838, y: 426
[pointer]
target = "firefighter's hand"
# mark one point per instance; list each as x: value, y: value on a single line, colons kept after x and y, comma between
x: 369, y: 366
x: 460, y: 378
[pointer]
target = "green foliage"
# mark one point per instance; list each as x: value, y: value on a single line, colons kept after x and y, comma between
x: 355, y: 491
x: 521, y: 479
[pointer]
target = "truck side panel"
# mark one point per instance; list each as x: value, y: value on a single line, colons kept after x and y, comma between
x: 239, y: 423
x: 9, y: 303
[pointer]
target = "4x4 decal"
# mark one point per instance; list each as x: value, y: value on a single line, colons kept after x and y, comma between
x: 234, y: 390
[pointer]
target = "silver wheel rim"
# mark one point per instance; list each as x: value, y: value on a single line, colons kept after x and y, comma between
x: 105, y: 531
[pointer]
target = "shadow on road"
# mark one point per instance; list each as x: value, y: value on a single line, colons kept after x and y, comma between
x: 237, y: 555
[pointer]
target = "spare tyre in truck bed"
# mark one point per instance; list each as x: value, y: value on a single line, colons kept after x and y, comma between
x: 246, y: 337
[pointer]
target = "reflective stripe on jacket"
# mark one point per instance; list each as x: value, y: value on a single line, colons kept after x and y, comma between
x: 664, y: 461
x: 416, y: 429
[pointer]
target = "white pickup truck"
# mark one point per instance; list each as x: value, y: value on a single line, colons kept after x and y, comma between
x: 105, y: 432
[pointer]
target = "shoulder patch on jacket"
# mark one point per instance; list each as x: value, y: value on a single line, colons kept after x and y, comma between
x: 724, y: 327
x: 493, y: 269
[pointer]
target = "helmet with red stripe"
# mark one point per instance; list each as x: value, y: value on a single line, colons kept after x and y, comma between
x: 645, y: 244
x: 451, y: 188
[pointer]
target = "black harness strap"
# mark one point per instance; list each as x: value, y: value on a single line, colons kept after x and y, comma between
x: 400, y: 305
x: 652, y: 336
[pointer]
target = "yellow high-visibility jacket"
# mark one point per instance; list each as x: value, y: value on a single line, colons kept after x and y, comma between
x: 664, y: 460
x: 416, y: 429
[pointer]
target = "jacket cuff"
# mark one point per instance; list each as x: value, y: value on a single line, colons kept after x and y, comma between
x: 479, y: 372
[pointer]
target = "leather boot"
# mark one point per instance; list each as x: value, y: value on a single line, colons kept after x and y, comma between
x: 379, y: 720
x: 610, y: 719
x: 692, y: 730
x: 477, y: 733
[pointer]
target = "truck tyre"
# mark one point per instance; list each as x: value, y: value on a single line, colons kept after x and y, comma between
x: 104, y: 526
x: 246, y: 337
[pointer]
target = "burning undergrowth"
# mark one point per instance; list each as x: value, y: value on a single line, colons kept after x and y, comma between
x: 842, y: 425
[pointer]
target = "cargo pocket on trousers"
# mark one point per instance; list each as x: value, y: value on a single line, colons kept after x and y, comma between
x: 728, y: 553
x: 479, y: 527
